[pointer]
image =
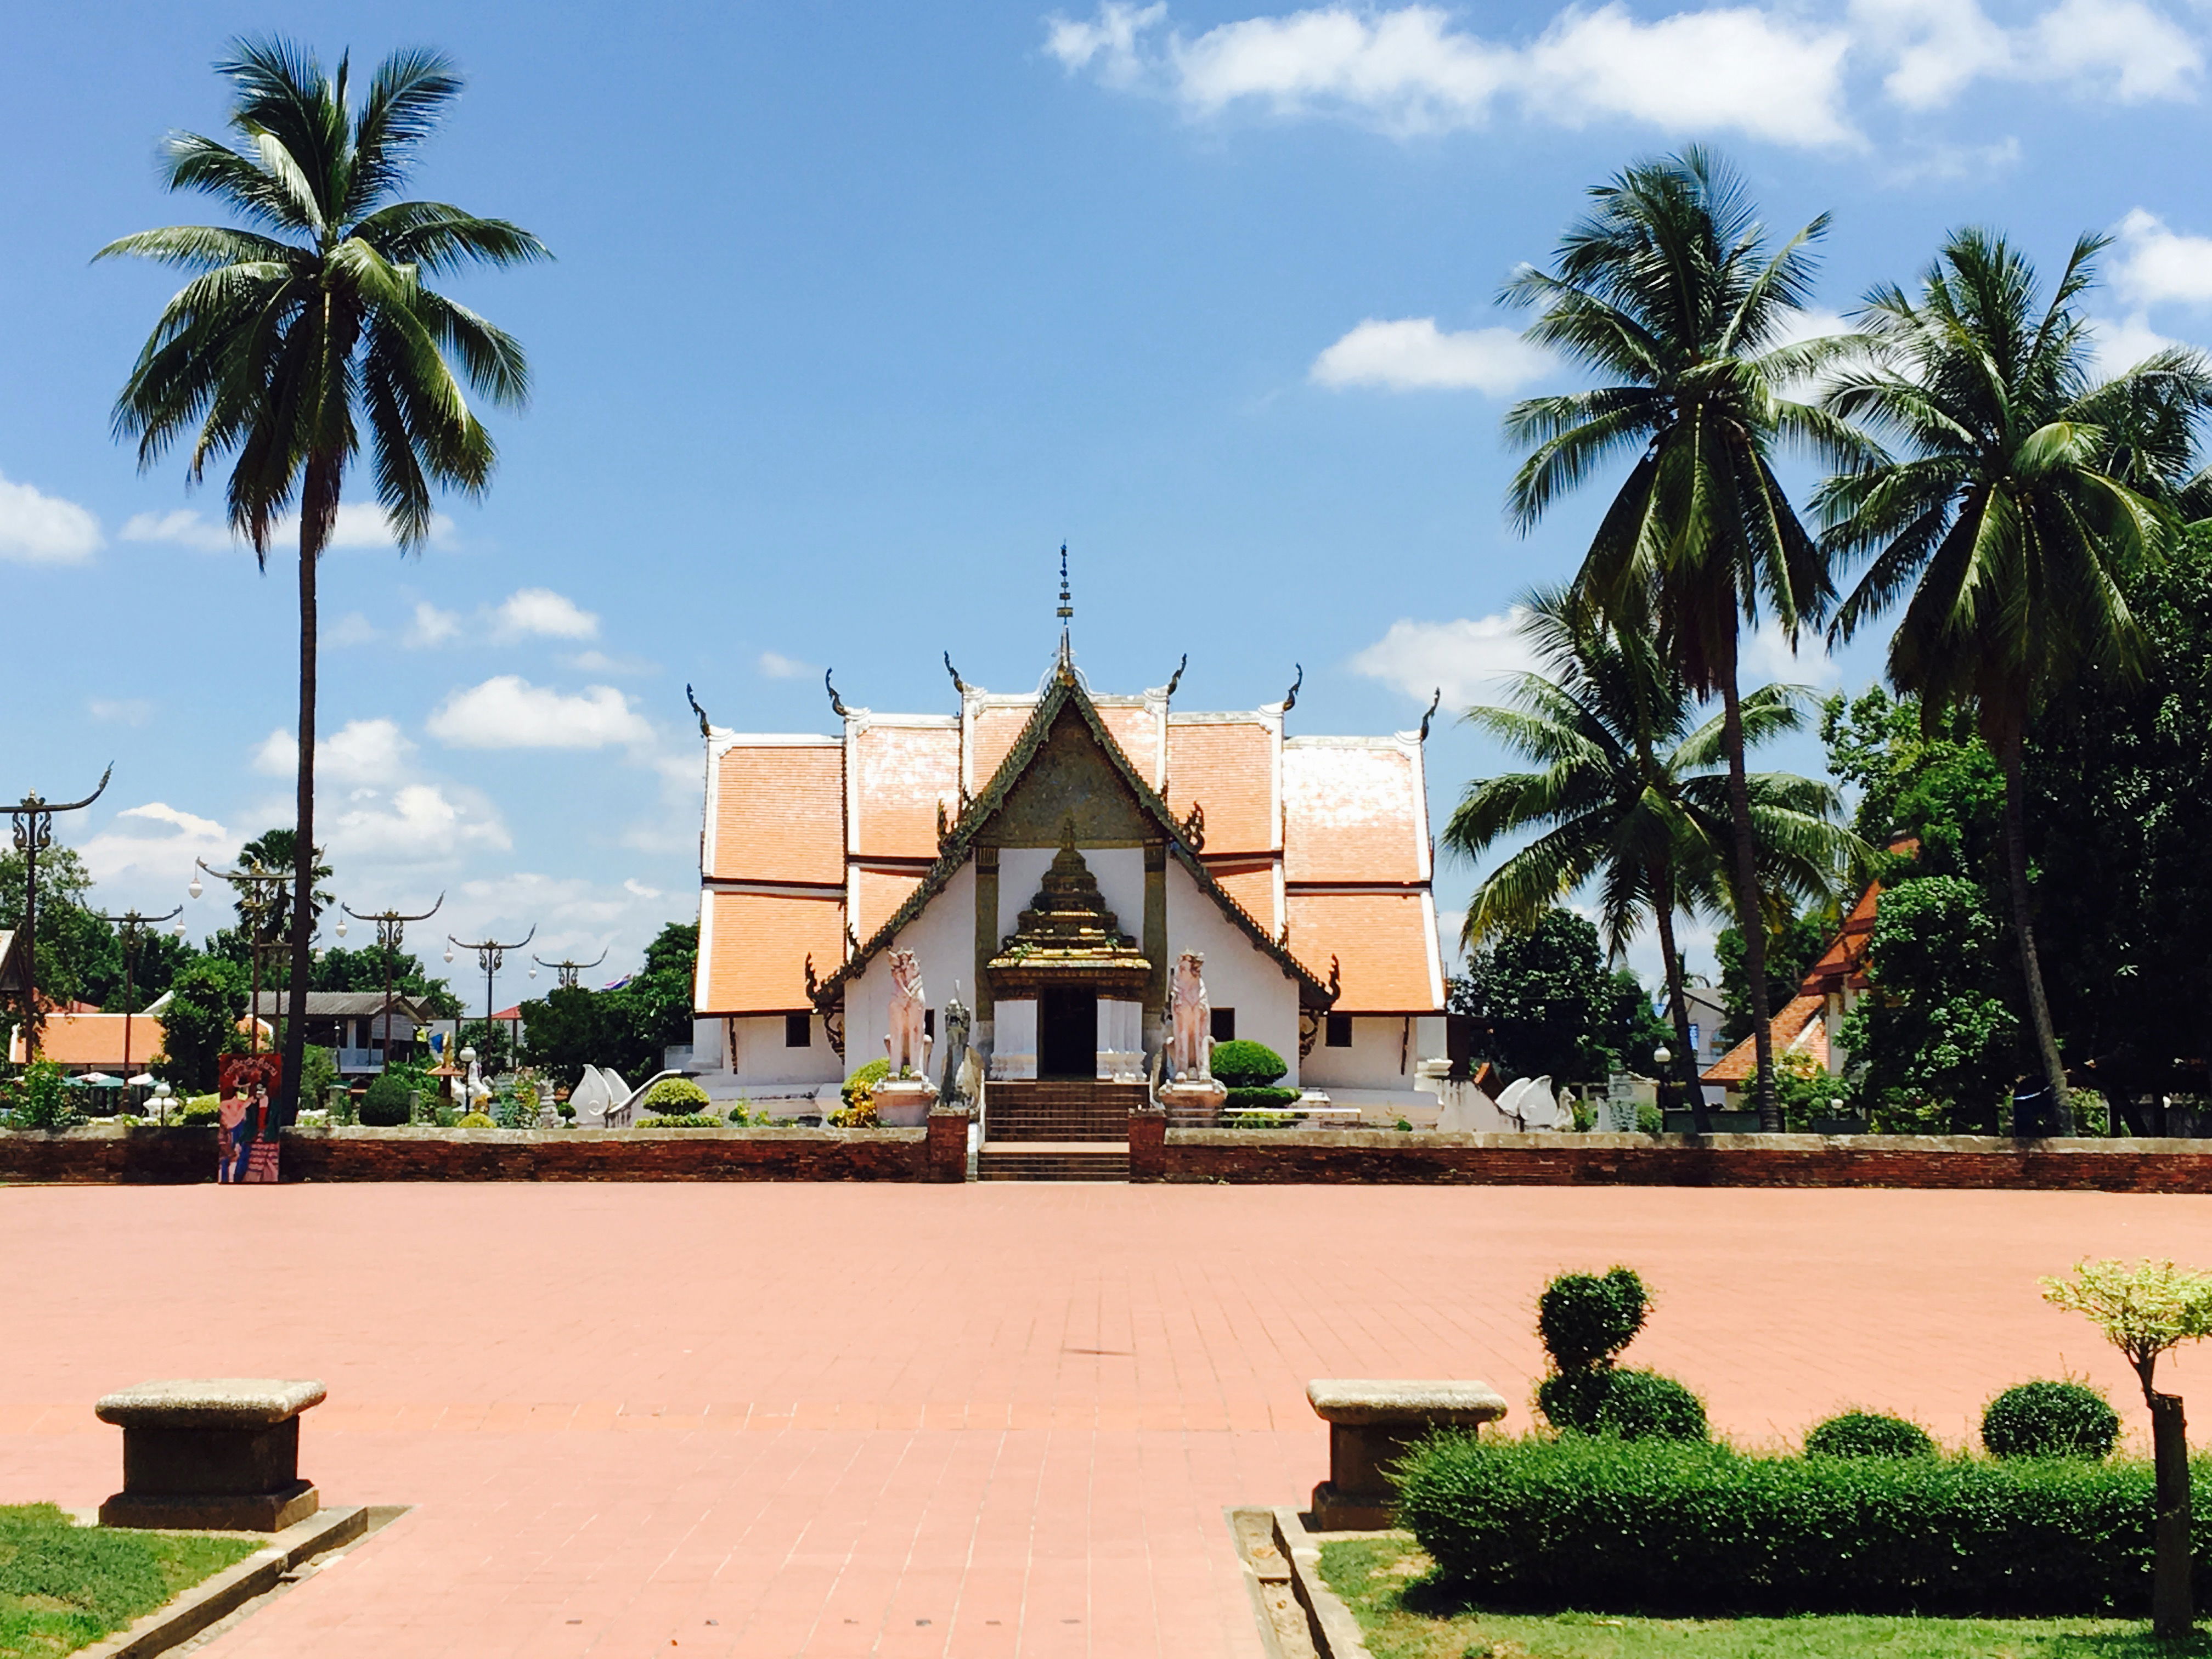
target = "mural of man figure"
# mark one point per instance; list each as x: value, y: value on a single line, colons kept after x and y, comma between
x: 246, y: 1144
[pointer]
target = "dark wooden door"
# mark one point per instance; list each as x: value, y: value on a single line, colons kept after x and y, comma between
x: 1067, y: 1033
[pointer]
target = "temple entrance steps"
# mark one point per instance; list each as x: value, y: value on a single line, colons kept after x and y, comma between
x: 1073, y: 1110
x: 1053, y: 1160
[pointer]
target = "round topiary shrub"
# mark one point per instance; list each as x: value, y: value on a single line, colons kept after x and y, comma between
x: 2049, y: 1419
x: 1868, y: 1434
x: 474, y: 1120
x: 674, y: 1094
x: 682, y: 1121
x: 1585, y: 1319
x: 1633, y: 1404
x: 1242, y: 1065
x: 385, y: 1105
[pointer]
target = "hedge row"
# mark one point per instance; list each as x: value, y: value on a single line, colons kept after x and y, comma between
x: 1675, y: 1526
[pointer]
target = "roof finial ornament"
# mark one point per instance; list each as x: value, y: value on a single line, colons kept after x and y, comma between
x: 958, y: 685
x: 1291, y: 696
x: 1066, y: 617
x: 1434, y: 704
x: 704, y: 730
x: 836, y: 704
x: 1175, y: 678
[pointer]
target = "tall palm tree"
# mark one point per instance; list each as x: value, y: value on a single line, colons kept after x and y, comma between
x: 1668, y: 292
x: 1633, y: 794
x: 2024, y: 496
x: 313, y: 324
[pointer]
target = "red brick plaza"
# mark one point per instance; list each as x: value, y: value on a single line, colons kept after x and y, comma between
x: 975, y: 1420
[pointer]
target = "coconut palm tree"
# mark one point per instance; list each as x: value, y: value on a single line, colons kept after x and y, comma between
x: 2024, y: 496
x: 312, y: 330
x: 1634, y: 796
x: 1668, y: 292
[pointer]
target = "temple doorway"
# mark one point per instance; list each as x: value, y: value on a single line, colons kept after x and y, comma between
x: 1067, y: 1032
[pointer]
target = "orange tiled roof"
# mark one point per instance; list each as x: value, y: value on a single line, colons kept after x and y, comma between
x: 1253, y: 886
x: 1137, y: 730
x: 777, y: 813
x: 753, y: 951
x: 901, y: 775
x: 880, y: 894
x: 1228, y: 767
x: 1797, y: 1027
x: 93, y: 1039
x: 1385, y: 945
x: 992, y: 737
x: 1352, y: 811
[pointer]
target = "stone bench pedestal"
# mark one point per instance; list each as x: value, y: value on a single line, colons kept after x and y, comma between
x: 1371, y: 1424
x: 213, y: 1453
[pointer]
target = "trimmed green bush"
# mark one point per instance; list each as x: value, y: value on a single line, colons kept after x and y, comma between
x: 474, y: 1120
x: 1634, y: 1405
x: 1868, y: 1434
x: 2049, y: 1419
x: 1586, y: 1319
x: 859, y: 1089
x: 1242, y: 1065
x: 673, y: 1094
x: 1270, y: 1098
x: 1686, y: 1526
x: 682, y: 1121
x: 385, y: 1105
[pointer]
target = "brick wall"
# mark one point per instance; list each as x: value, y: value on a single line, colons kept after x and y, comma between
x: 105, y: 1153
x: 1288, y: 1156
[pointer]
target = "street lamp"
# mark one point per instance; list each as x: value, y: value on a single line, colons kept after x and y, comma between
x: 390, y: 934
x: 568, y: 969
x: 161, y: 1094
x: 260, y: 891
x: 33, y: 818
x: 133, y: 927
x: 1662, y: 1056
x: 490, y: 953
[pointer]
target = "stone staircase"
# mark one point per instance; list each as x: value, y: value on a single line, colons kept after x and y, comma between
x: 1057, y: 1131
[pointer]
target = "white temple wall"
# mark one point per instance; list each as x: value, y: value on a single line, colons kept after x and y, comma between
x: 1373, y: 1060
x: 762, y: 1060
x: 1238, y: 974
x: 1120, y: 871
x: 943, y: 940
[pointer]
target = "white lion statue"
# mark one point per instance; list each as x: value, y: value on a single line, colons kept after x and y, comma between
x: 907, y: 1044
x: 1189, y: 1022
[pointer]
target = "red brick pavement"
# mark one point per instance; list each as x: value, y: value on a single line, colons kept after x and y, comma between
x: 770, y: 1420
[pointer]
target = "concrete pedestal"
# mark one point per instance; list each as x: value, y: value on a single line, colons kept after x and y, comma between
x: 1372, y: 1423
x: 220, y: 1453
x: 1194, y: 1105
x: 903, y: 1102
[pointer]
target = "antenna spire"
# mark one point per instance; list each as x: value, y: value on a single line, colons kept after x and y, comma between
x: 1066, y: 613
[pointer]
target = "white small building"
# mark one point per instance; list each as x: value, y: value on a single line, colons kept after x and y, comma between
x: 986, y: 838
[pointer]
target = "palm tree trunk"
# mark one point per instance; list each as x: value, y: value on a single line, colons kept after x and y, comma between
x: 1663, y: 908
x: 318, y: 502
x: 1749, y: 916
x: 2031, y: 968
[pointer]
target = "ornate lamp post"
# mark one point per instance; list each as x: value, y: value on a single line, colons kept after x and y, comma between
x: 565, y: 972
x: 33, y: 819
x: 133, y: 927
x: 490, y: 953
x: 390, y: 934
x: 260, y: 892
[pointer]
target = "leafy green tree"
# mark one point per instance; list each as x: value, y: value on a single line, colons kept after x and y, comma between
x: 1943, y: 789
x: 568, y: 1028
x: 75, y: 948
x: 206, y: 1002
x: 2119, y: 791
x: 339, y: 969
x: 1668, y: 293
x: 294, y: 335
x: 1550, y: 1007
x: 626, y: 1029
x: 1793, y: 945
x: 494, y: 1042
x: 1998, y: 516
x: 1933, y: 1045
x: 1633, y: 794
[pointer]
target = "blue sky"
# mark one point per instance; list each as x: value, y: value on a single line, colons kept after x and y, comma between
x: 860, y: 310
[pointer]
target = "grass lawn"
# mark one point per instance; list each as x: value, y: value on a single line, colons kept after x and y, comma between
x: 63, y: 1586
x: 1373, y: 1576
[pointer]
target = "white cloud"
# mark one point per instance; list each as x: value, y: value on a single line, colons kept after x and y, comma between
x: 541, y: 612
x: 1776, y: 72
x: 2122, y: 343
x: 157, y: 862
x: 777, y: 667
x: 432, y: 627
x: 360, y: 753
x: 1766, y: 654
x: 419, y: 823
x: 1412, y: 354
x: 632, y: 885
x: 36, y: 528
x: 599, y: 662
x: 1468, y: 659
x: 1410, y: 71
x: 352, y: 629
x: 2157, y: 264
x: 124, y: 711
x: 360, y: 524
x: 507, y: 712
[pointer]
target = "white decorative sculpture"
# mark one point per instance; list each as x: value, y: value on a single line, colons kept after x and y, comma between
x: 1189, y: 1033
x: 907, y: 1044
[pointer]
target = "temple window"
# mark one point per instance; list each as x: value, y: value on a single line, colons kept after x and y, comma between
x: 1225, y: 1026
x: 798, y: 1031
x: 1340, y: 1031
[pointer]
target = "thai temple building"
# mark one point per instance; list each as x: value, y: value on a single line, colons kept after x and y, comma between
x: 1048, y: 857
